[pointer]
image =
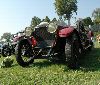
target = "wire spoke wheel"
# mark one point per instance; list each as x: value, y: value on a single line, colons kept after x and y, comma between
x: 25, y: 53
x: 24, y: 56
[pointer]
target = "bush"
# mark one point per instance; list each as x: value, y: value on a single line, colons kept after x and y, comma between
x: 7, y: 62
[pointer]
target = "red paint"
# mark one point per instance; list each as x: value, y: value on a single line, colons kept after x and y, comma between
x: 66, y: 31
x: 34, y: 42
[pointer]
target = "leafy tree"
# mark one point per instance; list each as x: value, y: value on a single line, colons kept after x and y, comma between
x: 65, y: 8
x: 6, y: 36
x: 96, y: 28
x: 87, y: 21
x: 54, y: 19
x: 96, y: 15
x: 46, y: 19
x: 35, y: 21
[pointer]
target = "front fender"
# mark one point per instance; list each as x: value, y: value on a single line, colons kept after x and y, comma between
x: 32, y: 41
x: 66, y: 31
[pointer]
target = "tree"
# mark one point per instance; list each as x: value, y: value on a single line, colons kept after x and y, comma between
x: 87, y: 21
x: 46, y: 19
x: 35, y: 21
x: 65, y: 8
x: 6, y: 36
x: 54, y: 19
x: 96, y: 15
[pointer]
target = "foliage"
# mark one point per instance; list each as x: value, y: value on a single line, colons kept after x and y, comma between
x: 6, y: 36
x: 7, y: 62
x: 35, y: 21
x: 54, y: 19
x: 65, y: 8
x: 96, y: 28
x: 43, y: 72
x: 46, y: 19
x: 96, y: 33
x: 96, y: 15
x: 87, y: 21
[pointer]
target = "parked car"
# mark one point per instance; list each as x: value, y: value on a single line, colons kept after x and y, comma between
x: 15, y: 40
x: 6, y: 50
x: 0, y: 48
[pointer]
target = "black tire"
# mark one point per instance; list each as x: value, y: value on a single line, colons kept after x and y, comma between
x: 58, y: 49
x: 20, y: 57
x: 6, y: 51
x: 72, y: 51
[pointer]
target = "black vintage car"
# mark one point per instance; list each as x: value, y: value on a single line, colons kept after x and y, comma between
x: 6, y: 50
x: 0, y: 48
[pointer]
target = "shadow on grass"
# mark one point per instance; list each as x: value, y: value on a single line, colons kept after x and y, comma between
x: 15, y: 65
x: 91, y: 61
x: 45, y: 63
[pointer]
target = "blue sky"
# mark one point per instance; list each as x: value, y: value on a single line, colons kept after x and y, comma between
x: 15, y: 15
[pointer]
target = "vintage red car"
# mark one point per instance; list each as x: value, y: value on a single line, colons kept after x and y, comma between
x: 54, y: 41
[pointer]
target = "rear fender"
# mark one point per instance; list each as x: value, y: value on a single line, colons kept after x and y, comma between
x: 66, y: 31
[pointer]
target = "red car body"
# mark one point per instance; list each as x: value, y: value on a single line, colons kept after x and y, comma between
x: 66, y: 31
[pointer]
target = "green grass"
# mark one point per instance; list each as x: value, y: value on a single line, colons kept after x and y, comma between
x: 43, y: 72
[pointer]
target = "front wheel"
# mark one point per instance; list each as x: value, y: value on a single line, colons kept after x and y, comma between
x: 72, y: 51
x: 24, y: 53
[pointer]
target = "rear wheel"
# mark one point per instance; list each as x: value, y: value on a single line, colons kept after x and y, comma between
x: 24, y: 54
x: 72, y: 51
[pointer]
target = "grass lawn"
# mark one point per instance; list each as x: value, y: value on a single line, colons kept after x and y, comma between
x: 43, y: 72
